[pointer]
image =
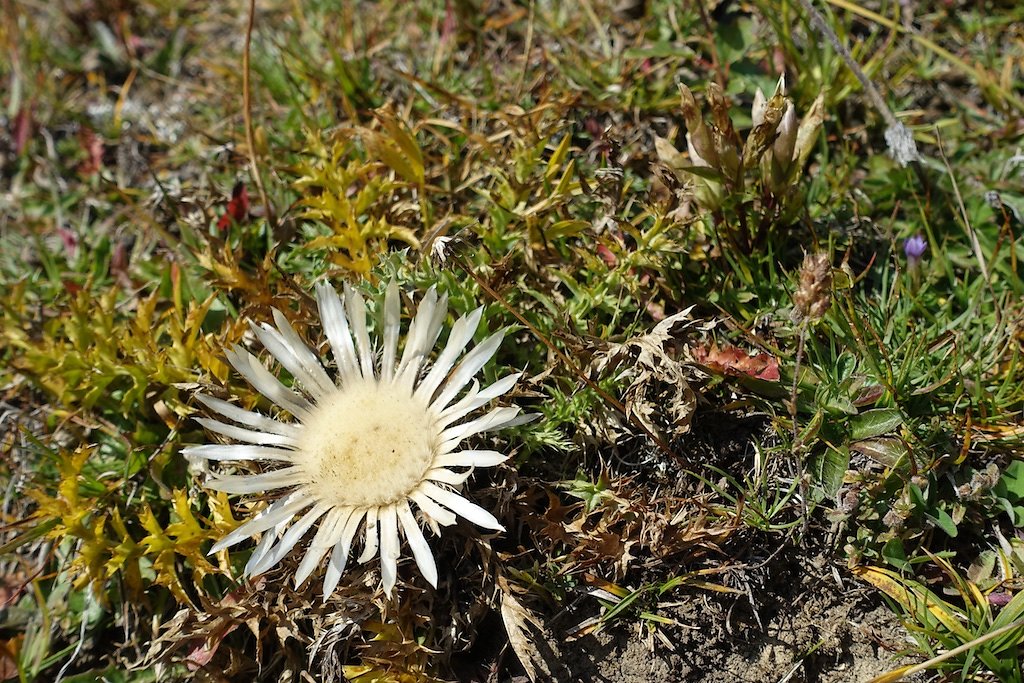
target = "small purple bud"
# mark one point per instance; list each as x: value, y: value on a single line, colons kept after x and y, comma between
x: 914, y: 247
x: 999, y: 599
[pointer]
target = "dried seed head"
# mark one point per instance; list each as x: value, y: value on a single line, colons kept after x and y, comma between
x: 758, y: 108
x: 783, y: 147
x: 814, y: 295
x: 698, y: 135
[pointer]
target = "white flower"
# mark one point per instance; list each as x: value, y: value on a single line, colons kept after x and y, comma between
x: 360, y: 449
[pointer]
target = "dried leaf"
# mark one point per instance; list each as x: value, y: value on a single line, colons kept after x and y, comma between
x: 732, y: 360
x: 808, y: 131
x: 669, y: 155
x: 660, y: 391
x: 517, y: 620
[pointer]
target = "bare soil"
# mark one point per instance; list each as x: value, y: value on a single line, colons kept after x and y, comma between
x: 801, y: 623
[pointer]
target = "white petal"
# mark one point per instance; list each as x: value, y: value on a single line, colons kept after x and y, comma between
x: 496, y: 419
x: 420, y: 550
x: 248, y: 418
x: 303, y: 354
x: 460, y: 335
x: 432, y: 510
x: 476, y: 398
x: 356, y: 308
x: 370, y: 537
x: 339, y: 556
x: 390, y: 548
x: 290, y: 539
x: 423, y: 334
x: 256, y: 483
x: 446, y: 476
x: 262, y: 548
x: 280, y: 510
x: 417, y: 328
x: 288, y: 355
x: 460, y: 506
x: 469, y: 366
x: 758, y: 109
x: 265, y: 383
x: 237, y: 452
x: 392, y: 323
x: 328, y: 533
x: 332, y: 317
x: 519, y: 420
x: 471, y: 459
x: 432, y: 523
x: 247, y: 435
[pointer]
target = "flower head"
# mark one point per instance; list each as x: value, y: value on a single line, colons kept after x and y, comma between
x: 914, y: 247
x: 360, y: 449
x: 813, y: 297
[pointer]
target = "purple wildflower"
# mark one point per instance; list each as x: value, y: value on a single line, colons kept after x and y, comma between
x: 999, y: 599
x: 914, y: 247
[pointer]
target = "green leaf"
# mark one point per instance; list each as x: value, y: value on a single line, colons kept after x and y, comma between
x: 37, y: 531
x: 735, y: 38
x: 1011, y: 483
x: 832, y: 468
x: 872, y: 423
x: 942, y: 520
x: 887, y: 452
x: 895, y: 555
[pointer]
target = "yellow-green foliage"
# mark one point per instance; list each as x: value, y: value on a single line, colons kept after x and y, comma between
x: 119, y: 360
x: 538, y: 193
x: 98, y: 355
x: 390, y: 656
x: 359, y: 199
x: 113, y: 534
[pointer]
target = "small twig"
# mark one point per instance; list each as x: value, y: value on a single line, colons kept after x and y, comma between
x: 794, y: 391
x: 899, y: 140
x: 798, y: 445
x: 968, y: 228
x: 250, y: 137
x: 818, y: 21
x: 531, y: 18
x: 709, y: 29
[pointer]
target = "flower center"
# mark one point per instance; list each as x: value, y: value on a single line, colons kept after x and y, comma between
x: 367, y: 444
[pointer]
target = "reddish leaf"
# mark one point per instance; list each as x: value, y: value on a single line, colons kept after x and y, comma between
x: 119, y: 261
x: 23, y: 124
x: 732, y: 360
x: 9, y: 657
x: 450, y: 23
x: 238, y: 207
x: 205, y: 648
x: 607, y: 256
x: 11, y: 588
x: 201, y: 654
x: 92, y: 144
x: 70, y: 240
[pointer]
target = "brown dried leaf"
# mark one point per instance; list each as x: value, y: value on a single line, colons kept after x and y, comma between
x: 517, y: 621
x: 669, y: 155
x: 808, y: 131
x: 763, y: 135
x: 660, y: 387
